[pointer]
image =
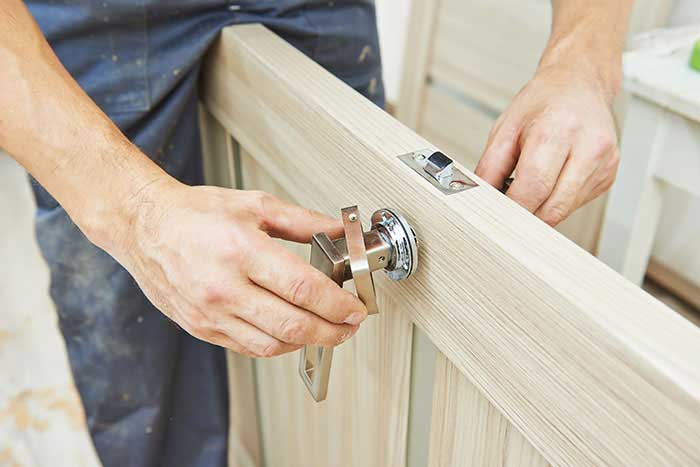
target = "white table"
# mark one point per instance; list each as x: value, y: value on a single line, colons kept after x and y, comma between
x: 660, y: 146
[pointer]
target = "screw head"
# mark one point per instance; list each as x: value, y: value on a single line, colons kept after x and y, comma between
x: 419, y: 157
x: 352, y: 217
x: 457, y: 185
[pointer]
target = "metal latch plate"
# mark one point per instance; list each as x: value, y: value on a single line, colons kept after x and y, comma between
x: 439, y: 170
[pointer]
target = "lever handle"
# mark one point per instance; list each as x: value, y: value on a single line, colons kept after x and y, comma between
x: 389, y: 245
x: 315, y: 361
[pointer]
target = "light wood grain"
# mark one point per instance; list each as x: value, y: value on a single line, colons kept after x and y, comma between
x: 363, y: 421
x: 587, y: 366
x: 218, y: 152
x: 244, y: 447
x: 416, y: 59
x: 220, y: 157
x: 467, y: 429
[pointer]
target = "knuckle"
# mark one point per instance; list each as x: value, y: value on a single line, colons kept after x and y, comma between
x: 268, y: 350
x: 260, y: 203
x: 570, y: 122
x: 539, y: 136
x: 232, y: 250
x: 553, y: 215
x: 539, y: 187
x: 292, y: 331
x: 212, y: 295
x: 201, y: 327
x: 605, y: 143
x: 301, y: 291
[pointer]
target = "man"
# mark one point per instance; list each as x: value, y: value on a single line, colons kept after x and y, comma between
x: 108, y: 128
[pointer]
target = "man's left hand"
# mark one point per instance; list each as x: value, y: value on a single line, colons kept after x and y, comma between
x: 560, y: 137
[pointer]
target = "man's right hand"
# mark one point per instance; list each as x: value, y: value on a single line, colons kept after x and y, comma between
x: 206, y: 258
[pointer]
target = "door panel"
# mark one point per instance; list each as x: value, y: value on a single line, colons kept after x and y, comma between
x: 221, y: 160
x: 467, y: 429
x: 590, y: 368
x: 363, y: 421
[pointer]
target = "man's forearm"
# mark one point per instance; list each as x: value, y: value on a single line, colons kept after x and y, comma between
x: 589, y: 36
x: 51, y: 127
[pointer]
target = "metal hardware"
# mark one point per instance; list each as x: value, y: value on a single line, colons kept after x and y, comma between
x: 390, y: 245
x: 439, y: 170
x: 357, y: 253
x: 506, y: 184
x: 404, y: 248
x: 440, y: 167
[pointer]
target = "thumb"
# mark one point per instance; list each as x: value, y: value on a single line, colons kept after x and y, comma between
x: 298, y: 224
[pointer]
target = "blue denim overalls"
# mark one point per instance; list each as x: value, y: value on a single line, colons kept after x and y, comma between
x: 153, y: 394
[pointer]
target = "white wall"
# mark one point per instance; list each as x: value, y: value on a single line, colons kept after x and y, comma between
x: 677, y: 238
x: 393, y: 18
x: 685, y: 12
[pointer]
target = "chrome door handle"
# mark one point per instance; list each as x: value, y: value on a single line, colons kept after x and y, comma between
x: 390, y: 245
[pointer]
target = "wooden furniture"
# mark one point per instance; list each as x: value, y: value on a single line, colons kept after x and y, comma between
x: 465, y: 61
x: 660, y: 147
x: 555, y: 357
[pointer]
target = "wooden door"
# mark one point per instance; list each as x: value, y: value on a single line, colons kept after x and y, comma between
x: 509, y: 346
x: 467, y: 59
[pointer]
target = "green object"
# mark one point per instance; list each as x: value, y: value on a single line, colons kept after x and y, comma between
x: 695, y: 57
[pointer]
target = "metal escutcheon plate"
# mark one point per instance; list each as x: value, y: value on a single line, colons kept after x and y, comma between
x: 398, y: 232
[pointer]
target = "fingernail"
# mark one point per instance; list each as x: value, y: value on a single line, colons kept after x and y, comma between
x: 355, y: 318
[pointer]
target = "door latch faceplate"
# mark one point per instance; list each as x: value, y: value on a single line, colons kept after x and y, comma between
x: 439, y: 170
x: 390, y: 244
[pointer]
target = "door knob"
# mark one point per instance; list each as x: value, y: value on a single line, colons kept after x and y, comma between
x: 390, y: 244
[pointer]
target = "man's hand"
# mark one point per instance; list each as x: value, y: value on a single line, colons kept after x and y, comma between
x: 559, y: 134
x: 206, y: 258
x: 560, y: 137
